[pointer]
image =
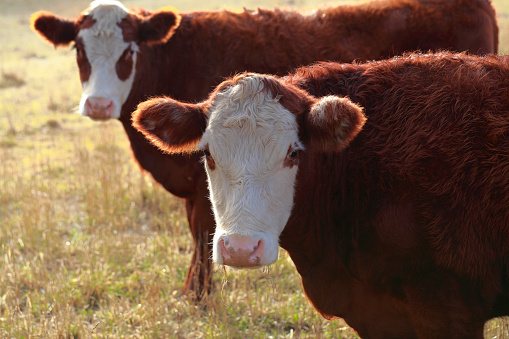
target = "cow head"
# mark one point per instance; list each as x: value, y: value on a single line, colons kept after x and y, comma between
x: 107, y: 38
x: 253, y: 132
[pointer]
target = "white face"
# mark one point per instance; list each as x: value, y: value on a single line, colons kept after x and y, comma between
x: 252, y: 140
x: 104, y: 92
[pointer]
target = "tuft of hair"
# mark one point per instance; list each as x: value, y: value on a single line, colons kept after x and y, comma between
x: 107, y: 14
x: 172, y: 126
x: 97, y: 3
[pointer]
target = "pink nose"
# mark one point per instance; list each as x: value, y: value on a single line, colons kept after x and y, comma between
x: 99, y: 108
x: 241, y: 250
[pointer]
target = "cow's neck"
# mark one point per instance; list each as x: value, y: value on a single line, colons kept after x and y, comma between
x: 317, y: 205
x: 158, y: 67
x: 322, y: 238
x: 310, y: 236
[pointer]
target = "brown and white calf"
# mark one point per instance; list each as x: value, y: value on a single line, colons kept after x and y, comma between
x: 386, y: 182
x: 126, y: 56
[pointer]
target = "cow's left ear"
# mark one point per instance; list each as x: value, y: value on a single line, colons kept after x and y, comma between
x: 333, y: 122
x: 158, y: 27
x: 172, y: 126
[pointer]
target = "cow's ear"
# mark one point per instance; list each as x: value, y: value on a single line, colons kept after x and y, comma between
x: 158, y: 27
x: 172, y: 126
x: 333, y: 122
x: 56, y: 30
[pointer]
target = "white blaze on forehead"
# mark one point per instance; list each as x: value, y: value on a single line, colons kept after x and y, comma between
x: 248, y: 135
x: 107, y: 14
x: 104, y: 44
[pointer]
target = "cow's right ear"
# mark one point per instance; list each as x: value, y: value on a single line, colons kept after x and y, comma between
x: 54, y: 29
x: 172, y: 126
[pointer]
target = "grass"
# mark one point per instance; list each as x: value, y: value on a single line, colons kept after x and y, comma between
x: 90, y: 247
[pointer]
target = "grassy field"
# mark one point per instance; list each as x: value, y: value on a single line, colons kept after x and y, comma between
x: 91, y: 247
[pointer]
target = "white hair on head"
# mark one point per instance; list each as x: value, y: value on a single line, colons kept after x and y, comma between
x: 107, y: 14
x: 249, y: 106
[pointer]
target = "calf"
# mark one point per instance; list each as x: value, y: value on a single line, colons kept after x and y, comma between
x: 126, y: 56
x: 386, y: 182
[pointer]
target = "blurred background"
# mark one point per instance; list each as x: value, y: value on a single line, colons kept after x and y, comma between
x: 91, y: 247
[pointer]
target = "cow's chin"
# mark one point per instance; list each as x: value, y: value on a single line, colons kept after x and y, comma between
x: 95, y: 118
x: 246, y: 268
x: 99, y: 116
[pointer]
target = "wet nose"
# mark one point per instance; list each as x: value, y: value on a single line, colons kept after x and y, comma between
x: 99, y: 108
x: 241, y: 250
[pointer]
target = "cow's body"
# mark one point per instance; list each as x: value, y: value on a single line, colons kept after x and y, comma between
x: 401, y: 227
x: 185, y: 55
x: 419, y: 208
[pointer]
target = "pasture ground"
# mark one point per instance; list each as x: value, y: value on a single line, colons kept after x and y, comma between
x: 92, y: 248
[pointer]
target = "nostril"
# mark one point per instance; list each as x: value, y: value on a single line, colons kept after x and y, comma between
x: 257, y: 252
x: 224, y: 251
x: 109, y: 109
x: 260, y: 243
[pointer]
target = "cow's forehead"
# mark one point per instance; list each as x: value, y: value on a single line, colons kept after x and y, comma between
x: 105, y: 37
x: 248, y: 107
x: 248, y: 125
x: 107, y: 14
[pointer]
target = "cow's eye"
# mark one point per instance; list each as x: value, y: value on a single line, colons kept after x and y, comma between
x: 208, y: 157
x: 292, y: 157
x: 131, y: 52
x: 78, y: 50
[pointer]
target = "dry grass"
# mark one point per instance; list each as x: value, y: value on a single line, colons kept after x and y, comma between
x: 91, y: 247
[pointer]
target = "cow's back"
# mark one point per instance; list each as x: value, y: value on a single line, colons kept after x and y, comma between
x: 209, y: 46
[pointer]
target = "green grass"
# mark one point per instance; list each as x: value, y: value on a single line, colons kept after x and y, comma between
x: 89, y: 246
